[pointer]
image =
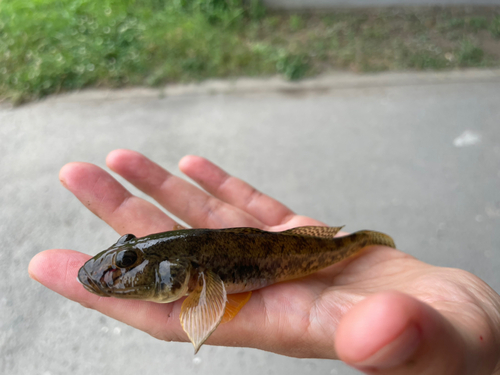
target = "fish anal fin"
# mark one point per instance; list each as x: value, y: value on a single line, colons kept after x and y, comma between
x: 234, y: 304
x: 202, y: 310
x: 314, y: 231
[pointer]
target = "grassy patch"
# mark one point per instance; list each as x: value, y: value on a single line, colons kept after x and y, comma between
x: 495, y: 27
x: 469, y: 54
x: 49, y: 46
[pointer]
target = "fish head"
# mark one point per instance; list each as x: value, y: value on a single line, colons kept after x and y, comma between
x: 127, y: 270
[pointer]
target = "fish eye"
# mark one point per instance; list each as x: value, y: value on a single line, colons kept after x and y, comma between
x: 125, y: 258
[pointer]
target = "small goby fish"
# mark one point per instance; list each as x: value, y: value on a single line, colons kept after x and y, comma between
x: 215, y: 268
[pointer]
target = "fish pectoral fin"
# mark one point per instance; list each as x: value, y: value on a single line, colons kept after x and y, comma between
x: 202, y: 310
x: 324, y: 232
x: 235, y: 303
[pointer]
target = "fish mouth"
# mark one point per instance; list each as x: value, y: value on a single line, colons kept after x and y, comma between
x: 89, y: 284
x: 94, y: 287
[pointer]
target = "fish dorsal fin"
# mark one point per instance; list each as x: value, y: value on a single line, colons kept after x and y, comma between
x: 124, y: 239
x: 324, y: 232
x: 235, y: 303
x: 202, y: 310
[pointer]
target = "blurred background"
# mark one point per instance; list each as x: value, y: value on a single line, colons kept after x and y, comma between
x: 383, y: 118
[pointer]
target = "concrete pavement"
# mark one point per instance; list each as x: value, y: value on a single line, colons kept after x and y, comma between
x: 413, y: 155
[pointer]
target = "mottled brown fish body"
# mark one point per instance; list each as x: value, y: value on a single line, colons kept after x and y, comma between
x: 214, y: 266
x: 247, y: 259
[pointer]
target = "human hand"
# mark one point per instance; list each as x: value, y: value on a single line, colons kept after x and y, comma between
x: 382, y: 311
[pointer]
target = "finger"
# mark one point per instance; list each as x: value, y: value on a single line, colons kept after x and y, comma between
x: 235, y: 191
x: 110, y: 201
x: 184, y: 200
x: 58, y: 269
x: 393, y: 333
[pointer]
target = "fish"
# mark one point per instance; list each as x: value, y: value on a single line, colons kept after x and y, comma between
x: 217, y: 269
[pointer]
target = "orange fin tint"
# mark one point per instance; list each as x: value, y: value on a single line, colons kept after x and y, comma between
x: 234, y: 304
x: 178, y: 227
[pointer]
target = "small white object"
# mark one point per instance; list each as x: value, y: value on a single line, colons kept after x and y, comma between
x: 117, y: 330
x: 196, y: 360
x: 467, y: 138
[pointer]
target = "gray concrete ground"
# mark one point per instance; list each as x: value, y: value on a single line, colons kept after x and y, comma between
x: 413, y: 155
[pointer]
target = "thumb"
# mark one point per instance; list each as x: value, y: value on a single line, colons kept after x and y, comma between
x: 393, y: 333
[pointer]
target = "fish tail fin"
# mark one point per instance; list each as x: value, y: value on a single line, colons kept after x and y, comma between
x: 347, y: 246
x: 375, y: 238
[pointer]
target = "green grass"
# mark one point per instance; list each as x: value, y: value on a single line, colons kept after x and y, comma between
x: 50, y: 46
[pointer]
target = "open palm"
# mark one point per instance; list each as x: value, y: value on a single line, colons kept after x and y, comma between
x: 380, y: 311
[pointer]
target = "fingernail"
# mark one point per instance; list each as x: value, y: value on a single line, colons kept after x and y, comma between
x: 396, y: 352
